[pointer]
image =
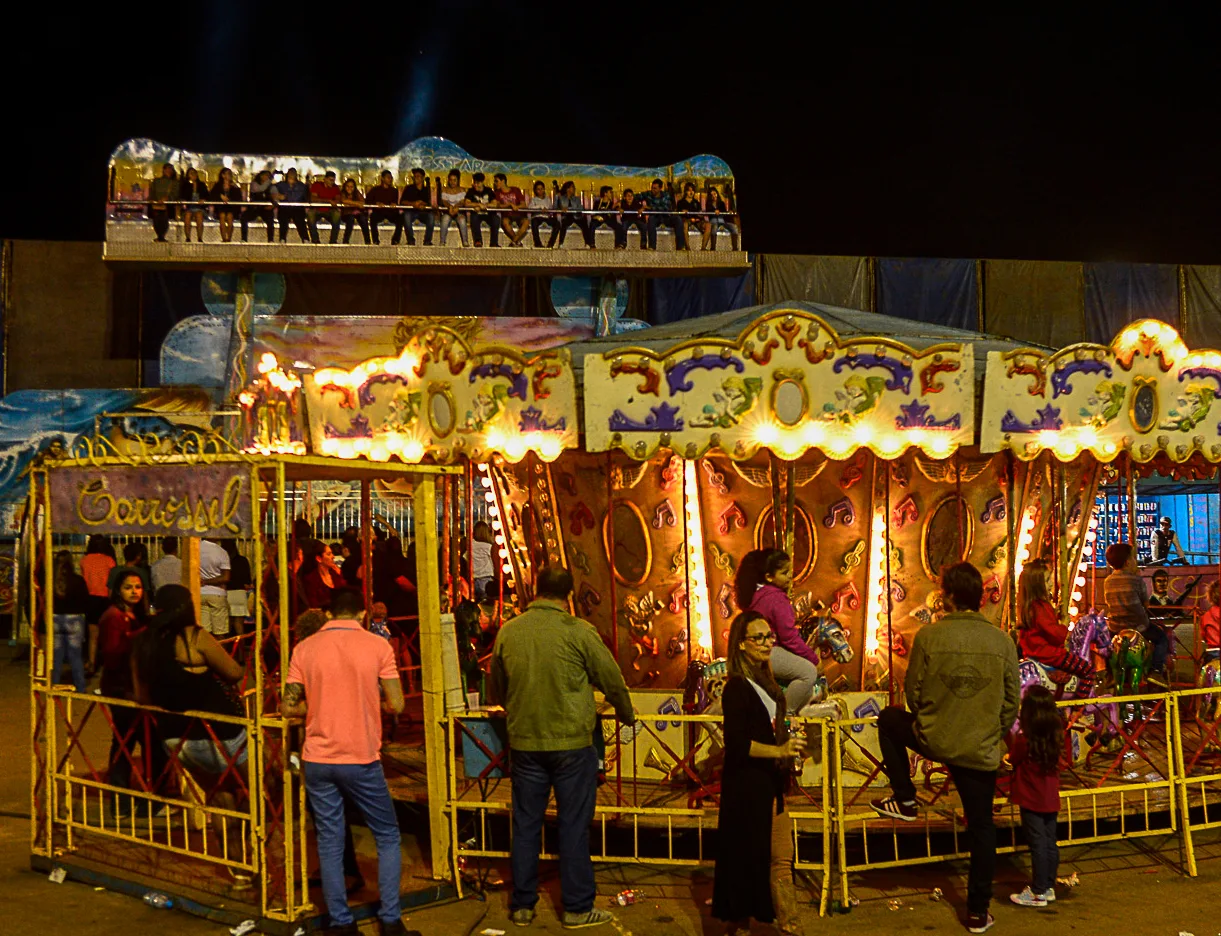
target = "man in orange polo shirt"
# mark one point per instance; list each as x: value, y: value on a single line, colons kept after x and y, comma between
x: 335, y: 681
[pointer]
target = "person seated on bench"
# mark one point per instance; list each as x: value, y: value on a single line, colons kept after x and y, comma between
x: 659, y: 205
x: 715, y: 203
x: 606, y: 204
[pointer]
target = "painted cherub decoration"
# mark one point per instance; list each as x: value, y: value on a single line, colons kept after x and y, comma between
x: 735, y: 398
x: 1190, y: 408
x: 1104, y: 403
x: 404, y: 411
x: 859, y: 398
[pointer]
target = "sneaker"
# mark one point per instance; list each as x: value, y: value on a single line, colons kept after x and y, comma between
x: 588, y: 918
x: 1048, y: 895
x: 522, y: 916
x: 979, y: 922
x: 891, y: 808
x: 1028, y: 898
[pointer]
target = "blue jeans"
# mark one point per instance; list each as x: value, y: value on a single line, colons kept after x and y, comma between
x: 365, y: 786
x: 574, y: 774
x: 1040, y: 829
x: 69, y: 639
x: 1161, y: 645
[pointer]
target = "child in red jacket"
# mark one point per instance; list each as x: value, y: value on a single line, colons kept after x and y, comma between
x: 1035, y: 788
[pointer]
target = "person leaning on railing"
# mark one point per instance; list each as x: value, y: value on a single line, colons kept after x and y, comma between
x: 382, y: 201
x: 228, y: 195
x: 290, y: 195
x: 417, y: 203
x: 260, y: 208
x: 324, y: 191
x: 163, y: 189
x: 608, y: 217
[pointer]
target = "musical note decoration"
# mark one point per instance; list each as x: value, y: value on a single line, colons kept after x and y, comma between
x: 847, y: 598
x: 664, y: 515
x: 905, y: 511
x: 730, y: 517
x: 994, y: 510
x: 580, y: 519
x: 841, y: 511
x: 853, y: 557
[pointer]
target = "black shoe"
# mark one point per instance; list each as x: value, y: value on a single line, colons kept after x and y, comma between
x: 394, y: 242
x: 395, y: 929
x: 348, y: 929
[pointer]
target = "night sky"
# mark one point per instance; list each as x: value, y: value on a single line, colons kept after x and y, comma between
x: 888, y: 133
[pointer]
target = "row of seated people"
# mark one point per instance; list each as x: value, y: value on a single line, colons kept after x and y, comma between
x: 501, y: 208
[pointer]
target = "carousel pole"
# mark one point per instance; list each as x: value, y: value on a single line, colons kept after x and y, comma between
x: 366, y: 540
x: 790, y: 505
x: 1132, y: 505
x: 686, y: 570
x: 1062, y: 565
x: 469, y: 527
x: 962, y: 516
x: 448, y: 592
x: 777, y: 520
x: 890, y: 636
x: 609, y: 536
x: 1011, y: 513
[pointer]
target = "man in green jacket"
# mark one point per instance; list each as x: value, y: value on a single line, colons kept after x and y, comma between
x: 543, y: 667
x: 963, y: 695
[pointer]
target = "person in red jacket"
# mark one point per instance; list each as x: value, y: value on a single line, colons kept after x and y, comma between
x: 1210, y: 624
x: 1041, y: 634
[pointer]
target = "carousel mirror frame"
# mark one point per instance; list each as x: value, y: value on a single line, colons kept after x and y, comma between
x: 780, y: 379
x: 1139, y: 386
x: 803, y: 516
x: 442, y: 390
x: 648, y: 541
x: 969, y: 533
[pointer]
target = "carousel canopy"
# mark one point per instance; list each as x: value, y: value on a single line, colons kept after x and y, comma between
x: 1145, y: 394
x: 788, y: 377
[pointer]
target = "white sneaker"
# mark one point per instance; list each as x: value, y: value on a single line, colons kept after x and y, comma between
x: 1049, y: 895
x: 1028, y: 898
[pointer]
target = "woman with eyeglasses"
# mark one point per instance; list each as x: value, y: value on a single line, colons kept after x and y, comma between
x: 754, y: 835
x: 762, y: 584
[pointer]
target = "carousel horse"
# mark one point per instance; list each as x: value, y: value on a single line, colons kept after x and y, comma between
x: 706, y: 681
x: 1130, y: 657
x: 1088, y: 639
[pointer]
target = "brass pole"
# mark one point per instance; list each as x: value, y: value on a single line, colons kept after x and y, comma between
x: 366, y: 540
x: 1132, y: 506
x: 1012, y: 511
x: 424, y: 496
x: 790, y: 501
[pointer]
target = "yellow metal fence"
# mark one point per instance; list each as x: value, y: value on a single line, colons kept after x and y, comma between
x: 1146, y: 765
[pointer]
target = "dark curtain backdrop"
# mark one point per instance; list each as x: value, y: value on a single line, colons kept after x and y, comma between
x: 671, y: 300
x: 1117, y: 294
x: 940, y: 292
x: 836, y: 281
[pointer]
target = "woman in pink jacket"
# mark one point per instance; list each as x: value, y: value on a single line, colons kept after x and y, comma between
x: 762, y: 585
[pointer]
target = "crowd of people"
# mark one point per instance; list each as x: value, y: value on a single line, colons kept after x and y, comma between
x: 963, y: 706
x: 507, y: 213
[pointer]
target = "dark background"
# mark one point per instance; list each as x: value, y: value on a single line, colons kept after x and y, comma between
x: 886, y: 132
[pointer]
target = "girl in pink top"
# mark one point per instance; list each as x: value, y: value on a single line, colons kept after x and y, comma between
x: 762, y: 584
x: 1210, y: 624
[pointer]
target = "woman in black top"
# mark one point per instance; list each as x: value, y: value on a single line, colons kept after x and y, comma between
x: 179, y: 666
x: 193, y: 190
x: 754, y: 835
x: 690, y: 205
x: 229, y: 194
x: 69, y: 605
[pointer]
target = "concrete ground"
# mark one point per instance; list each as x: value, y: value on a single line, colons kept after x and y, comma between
x: 1131, y: 887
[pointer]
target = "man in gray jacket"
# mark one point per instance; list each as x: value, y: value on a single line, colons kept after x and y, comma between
x: 963, y: 696
x: 544, y: 667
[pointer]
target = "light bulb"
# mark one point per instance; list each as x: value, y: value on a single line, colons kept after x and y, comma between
x: 506, y: 568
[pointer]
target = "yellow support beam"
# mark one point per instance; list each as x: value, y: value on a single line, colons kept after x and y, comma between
x: 432, y: 675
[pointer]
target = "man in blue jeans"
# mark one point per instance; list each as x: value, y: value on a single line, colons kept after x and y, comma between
x: 543, y: 666
x: 335, y: 681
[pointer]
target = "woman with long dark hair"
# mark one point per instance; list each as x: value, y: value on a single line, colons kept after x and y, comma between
x: 754, y: 835
x: 762, y: 584
x: 193, y: 191
x: 1036, y: 755
x: 318, y: 576
x: 1041, y: 634
x: 111, y: 642
x: 180, y: 666
x: 96, y: 565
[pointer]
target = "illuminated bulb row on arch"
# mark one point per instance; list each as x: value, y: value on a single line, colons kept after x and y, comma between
x: 839, y: 442
x: 1025, y: 539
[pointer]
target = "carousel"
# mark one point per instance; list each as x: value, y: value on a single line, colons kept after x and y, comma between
x: 875, y: 451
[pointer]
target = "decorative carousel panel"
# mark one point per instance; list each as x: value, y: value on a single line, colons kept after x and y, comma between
x: 1145, y: 394
x: 787, y: 383
x: 442, y: 398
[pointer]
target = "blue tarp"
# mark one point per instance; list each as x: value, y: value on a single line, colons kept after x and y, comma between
x: 1118, y: 294
x: 670, y: 300
x: 940, y: 292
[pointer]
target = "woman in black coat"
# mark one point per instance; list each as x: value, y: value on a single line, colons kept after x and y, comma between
x: 754, y: 838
